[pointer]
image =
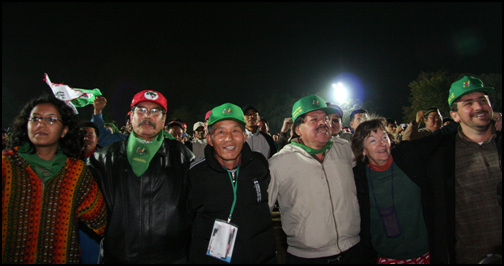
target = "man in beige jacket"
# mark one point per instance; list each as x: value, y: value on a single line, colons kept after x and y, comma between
x: 313, y: 182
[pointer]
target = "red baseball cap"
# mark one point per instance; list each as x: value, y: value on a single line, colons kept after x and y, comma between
x: 149, y: 96
x: 207, y: 115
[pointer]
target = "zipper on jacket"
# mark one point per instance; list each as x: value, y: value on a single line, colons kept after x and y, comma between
x: 332, y: 208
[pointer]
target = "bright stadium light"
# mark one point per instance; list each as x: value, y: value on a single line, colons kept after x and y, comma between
x: 339, y: 92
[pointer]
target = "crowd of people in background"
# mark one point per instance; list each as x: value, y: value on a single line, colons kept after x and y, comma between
x: 89, y: 191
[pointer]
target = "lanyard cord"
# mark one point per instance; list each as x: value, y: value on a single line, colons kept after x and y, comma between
x: 234, y: 184
x: 392, y: 179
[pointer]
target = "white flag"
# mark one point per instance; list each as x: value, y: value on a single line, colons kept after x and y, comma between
x: 80, y: 97
x: 62, y: 91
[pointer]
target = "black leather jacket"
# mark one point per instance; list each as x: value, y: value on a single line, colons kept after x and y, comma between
x: 148, y: 221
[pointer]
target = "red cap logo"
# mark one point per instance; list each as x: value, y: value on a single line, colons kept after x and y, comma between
x: 149, y: 96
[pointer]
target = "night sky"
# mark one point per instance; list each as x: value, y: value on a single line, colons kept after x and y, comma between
x: 202, y: 55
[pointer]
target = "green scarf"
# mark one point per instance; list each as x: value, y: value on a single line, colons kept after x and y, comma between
x: 141, y: 152
x: 44, y: 169
x: 311, y: 150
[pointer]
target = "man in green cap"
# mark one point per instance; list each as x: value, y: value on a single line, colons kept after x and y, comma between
x: 460, y: 178
x: 313, y: 182
x: 228, y: 197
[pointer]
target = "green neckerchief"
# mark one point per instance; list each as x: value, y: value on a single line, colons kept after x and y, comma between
x: 311, y: 150
x: 141, y: 152
x: 44, y: 169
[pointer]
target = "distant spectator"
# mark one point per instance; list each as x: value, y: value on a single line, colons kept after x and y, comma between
x: 431, y: 117
x: 264, y: 126
x: 199, y: 141
x: 356, y: 117
x: 257, y: 140
x: 394, y: 130
x: 89, y: 241
x: 336, y: 122
x: 176, y: 129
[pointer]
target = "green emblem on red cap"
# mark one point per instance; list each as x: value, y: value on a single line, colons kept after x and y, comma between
x: 151, y: 95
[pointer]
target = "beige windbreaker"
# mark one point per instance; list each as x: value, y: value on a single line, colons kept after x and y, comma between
x: 317, y: 201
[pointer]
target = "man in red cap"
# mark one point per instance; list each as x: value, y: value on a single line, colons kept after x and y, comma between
x: 144, y: 178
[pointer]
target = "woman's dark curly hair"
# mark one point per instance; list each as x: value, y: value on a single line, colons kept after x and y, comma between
x: 71, y: 144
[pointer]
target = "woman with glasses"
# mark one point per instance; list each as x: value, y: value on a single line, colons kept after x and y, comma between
x: 46, y: 189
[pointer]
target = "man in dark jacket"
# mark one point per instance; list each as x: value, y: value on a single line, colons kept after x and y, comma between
x: 461, y: 171
x: 228, y: 198
x: 143, y: 179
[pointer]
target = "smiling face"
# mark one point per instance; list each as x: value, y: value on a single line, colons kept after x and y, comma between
x: 315, y: 131
x: 474, y: 111
x: 377, y: 147
x: 42, y: 133
x: 227, y: 139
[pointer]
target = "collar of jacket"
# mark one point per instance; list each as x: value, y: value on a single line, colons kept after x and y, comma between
x: 216, y: 166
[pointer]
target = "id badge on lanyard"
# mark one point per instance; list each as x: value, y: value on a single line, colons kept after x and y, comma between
x: 222, y: 240
x: 224, y: 233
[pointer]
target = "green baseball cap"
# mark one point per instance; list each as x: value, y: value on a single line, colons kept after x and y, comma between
x: 430, y: 110
x: 227, y: 111
x: 308, y: 104
x: 464, y: 86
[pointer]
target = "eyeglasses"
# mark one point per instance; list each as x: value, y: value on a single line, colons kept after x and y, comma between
x: 38, y: 119
x: 153, y: 111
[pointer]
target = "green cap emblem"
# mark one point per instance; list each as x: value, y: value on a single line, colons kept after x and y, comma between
x: 464, y: 86
x: 227, y: 111
x: 308, y: 104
